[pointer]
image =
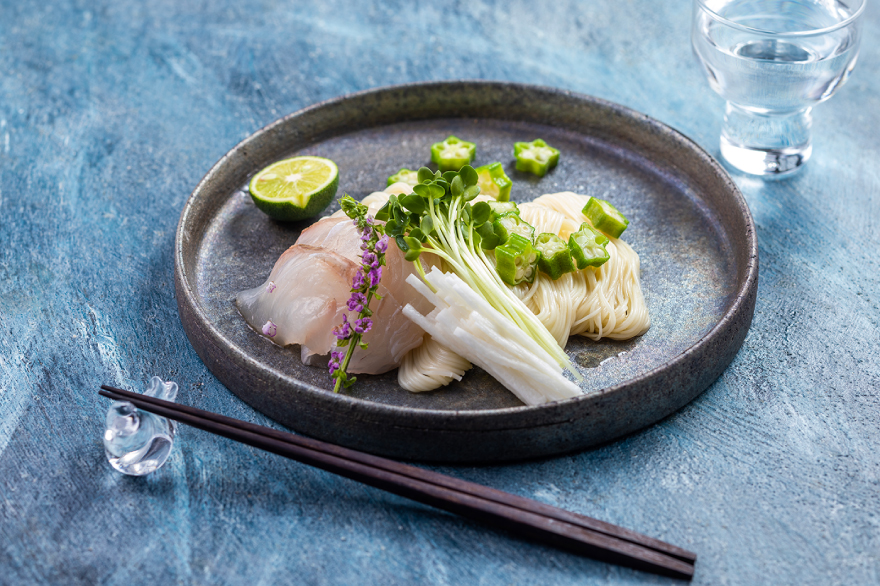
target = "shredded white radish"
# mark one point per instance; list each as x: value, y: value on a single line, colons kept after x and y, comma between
x: 468, y: 325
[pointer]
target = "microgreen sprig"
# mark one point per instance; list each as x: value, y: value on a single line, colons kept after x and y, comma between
x: 374, y: 244
x: 438, y: 217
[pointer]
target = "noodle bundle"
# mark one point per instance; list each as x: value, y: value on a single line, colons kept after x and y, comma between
x: 430, y: 366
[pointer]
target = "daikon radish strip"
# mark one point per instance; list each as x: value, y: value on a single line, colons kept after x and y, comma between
x: 468, y: 325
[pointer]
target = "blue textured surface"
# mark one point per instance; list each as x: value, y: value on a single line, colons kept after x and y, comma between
x: 109, y: 115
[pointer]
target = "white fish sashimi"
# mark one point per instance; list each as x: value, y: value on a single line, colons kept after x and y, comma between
x: 306, y: 293
x: 305, y: 281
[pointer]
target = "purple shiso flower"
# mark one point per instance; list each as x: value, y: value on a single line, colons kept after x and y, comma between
x: 363, y: 325
x: 271, y: 286
x: 366, y: 279
x: 270, y: 329
x: 370, y: 259
x: 343, y: 331
x: 357, y: 301
x: 374, y: 276
x: 335, y: 361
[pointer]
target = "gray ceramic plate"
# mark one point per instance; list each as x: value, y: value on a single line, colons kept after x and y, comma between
x: 688, y: 221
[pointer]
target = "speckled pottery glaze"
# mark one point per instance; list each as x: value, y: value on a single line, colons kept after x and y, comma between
x: 688, y: 221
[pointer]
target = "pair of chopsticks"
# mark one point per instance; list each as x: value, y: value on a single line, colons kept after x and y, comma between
x: 544, y: 523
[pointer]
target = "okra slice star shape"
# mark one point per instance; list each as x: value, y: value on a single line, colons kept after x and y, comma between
x: 452, y: 154
x: 536, y: 157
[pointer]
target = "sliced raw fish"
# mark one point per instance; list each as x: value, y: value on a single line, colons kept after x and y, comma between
x: 306, y: 293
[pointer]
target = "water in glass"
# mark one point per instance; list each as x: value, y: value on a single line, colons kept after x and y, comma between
x: 772, y: 60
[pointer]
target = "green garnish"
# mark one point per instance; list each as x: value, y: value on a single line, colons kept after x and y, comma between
x: 535, y: 157
x: 605, y: 217
x: 510, y: 223
x: 516, y: 260
x: 555, y: 258
x: 587, y: 247
x: 494, y: 182
x: 438, y: 218
x: 491, y: 235
x: 453, y: 153
x: 499, y: 208
x: 404, y: 176
x: 488, y: 237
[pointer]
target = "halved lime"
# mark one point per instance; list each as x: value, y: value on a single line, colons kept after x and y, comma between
x: 295, y: 189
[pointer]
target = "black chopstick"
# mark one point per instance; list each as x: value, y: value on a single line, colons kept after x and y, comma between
x: 435, y: 478
x: 545, y: 523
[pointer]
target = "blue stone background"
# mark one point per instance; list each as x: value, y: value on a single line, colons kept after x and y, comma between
x: 110, y: 113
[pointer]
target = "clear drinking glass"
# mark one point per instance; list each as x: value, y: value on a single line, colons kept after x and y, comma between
x: 773, y: 60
